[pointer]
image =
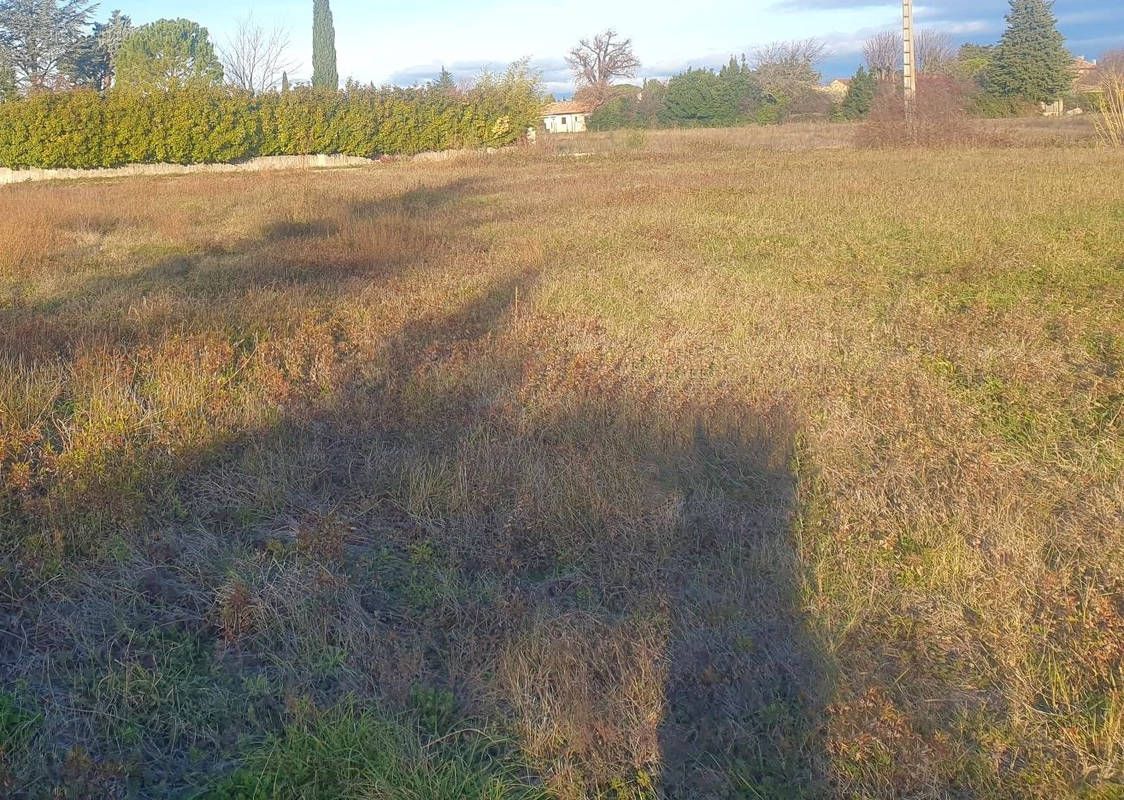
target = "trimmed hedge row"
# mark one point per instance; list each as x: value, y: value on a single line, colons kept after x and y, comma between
x: 83, y: 129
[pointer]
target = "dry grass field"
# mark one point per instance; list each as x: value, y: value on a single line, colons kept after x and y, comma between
x: 699, y: 466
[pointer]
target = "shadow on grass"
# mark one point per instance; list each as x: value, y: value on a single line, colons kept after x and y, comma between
x: 487, y: 517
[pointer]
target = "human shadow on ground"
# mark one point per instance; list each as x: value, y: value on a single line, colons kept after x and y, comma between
x: 482, y: 503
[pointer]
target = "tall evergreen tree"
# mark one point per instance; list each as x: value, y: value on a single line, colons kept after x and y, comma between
x: 445, y: 82
x: 698, y: 97
x: 37, y: 35
x: 92, y: 62
x: 860, y: 97
x: 324, y: 72
x: 741, y: 85
x: 1031, y: 60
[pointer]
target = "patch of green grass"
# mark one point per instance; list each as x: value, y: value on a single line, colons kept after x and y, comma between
x: 350, y: 751
x: 18, y: 726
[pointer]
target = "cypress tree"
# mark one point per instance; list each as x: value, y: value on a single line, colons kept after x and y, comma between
x: 324, y: 72
x: 1031, y: 60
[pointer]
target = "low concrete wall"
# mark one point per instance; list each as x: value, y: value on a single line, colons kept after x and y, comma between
x: 253, y: 165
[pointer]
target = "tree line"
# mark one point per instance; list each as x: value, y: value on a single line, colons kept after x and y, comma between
x: 1029, y: 65
x: 102, y: 94
x: 57, y: 45
x: 777, y: 82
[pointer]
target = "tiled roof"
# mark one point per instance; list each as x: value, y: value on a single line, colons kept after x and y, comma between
x: 566, y: 107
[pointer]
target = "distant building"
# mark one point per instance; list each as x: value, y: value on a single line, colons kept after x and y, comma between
x: 838, y: 88
x: 568, y: 116
x: 1086, y: 77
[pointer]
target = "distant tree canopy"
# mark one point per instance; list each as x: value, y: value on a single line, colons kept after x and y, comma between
x: 168, y: 54
x: 699, y: 97
x: 934, y: 52
x: 255, y: 59
x: 782, y: 79
x: 597, y: 62
x: 884, y: 53
x: 92, y: 61
x: 973, y: 59
x: 1111, y: 63
x: 742, y: 85
x: 787, y: 70
x: 36, y: 35
x: 1031, y: 60
x: 325, y: 73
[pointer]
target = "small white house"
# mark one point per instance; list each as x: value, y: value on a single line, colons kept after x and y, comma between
x: 569, y: 116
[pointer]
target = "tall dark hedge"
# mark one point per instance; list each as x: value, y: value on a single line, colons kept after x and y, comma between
x: 82, y: 129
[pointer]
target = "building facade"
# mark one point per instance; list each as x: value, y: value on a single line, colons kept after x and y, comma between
x: 569, y: 116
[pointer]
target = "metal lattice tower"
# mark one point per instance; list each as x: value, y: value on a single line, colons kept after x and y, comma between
x: 909, y: 64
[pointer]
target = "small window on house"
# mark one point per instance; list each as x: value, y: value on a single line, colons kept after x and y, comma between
x: 563, y: 120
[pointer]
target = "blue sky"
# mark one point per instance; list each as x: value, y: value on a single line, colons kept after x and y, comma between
x: 403, y: 42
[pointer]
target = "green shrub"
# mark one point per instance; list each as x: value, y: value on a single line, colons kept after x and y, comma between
x: 990, y: 106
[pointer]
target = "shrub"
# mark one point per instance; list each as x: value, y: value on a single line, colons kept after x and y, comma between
x: 699, y: 97
x: 1109, y: 123
x: 940, y: 117
x: 984, y: 104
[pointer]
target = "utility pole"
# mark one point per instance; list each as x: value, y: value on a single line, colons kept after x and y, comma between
x: 909, y: 65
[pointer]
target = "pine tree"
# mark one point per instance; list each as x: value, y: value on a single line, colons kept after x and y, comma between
x: 1031, y: 60
x: 445, y: 82
x: 860, y: 97
x: 324, y: 72
x: 167, y: 54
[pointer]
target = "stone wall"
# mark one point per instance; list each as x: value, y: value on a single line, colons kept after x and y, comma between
x: 253, y: 165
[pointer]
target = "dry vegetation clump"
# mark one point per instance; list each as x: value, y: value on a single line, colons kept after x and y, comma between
x: 940, y: 118
x: 1109, y: 122
x: 754, y: 473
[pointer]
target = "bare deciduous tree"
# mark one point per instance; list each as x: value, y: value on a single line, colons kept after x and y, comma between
x: 254, y: 58
x: 786, y: 70
x: 883, y: 52
x: 1111, y: 64
x: 935, y: 50
x: 597, y: 62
